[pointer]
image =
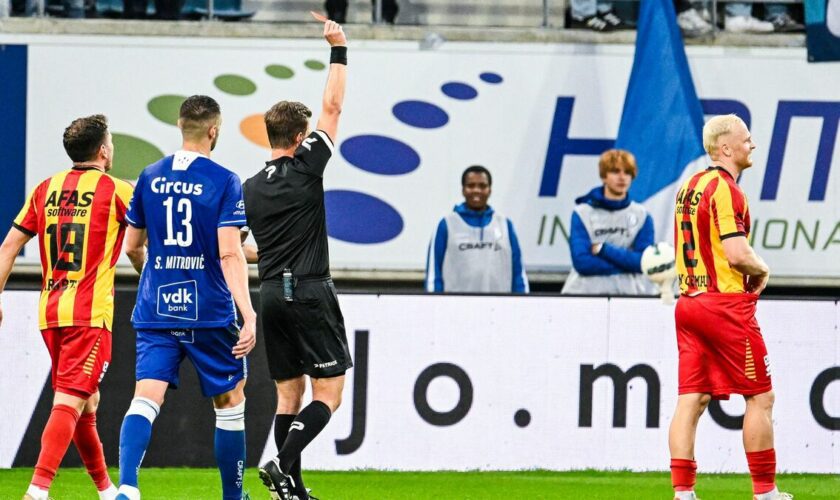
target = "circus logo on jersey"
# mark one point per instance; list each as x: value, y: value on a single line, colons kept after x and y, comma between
x: 178, y: 300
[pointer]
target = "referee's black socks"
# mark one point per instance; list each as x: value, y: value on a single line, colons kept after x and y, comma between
x: 308, y: 424
x: 281, y: 430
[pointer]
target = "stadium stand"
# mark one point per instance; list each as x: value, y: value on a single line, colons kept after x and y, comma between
x: 438, y: 13
x: 226, y: 10
x: 508, y: 13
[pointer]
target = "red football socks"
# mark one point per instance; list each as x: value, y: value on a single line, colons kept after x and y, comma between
x: 763, y: 470
x: 54, y: 443
x: 87, y: 442
x: 683, y: 474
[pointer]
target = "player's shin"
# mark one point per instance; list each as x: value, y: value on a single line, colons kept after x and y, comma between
x: 762, y: 466
x: 282, y: 423
x: 54, y: 443
x: 134, y: 439
x: 683, y: 475
x: 230, y: 449
x: 308, y: 424
x: 89, y: 445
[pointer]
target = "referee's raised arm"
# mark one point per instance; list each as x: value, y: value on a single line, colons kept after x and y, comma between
x: 334, y: 91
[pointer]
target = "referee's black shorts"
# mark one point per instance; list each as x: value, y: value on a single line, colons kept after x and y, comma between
x: 305, y: 336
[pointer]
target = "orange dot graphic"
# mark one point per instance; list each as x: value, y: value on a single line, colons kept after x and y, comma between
x: 253, y: 128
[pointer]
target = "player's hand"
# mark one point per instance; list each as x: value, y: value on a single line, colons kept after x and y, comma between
x: 333, y: 31
x: 334, y: 34
x: 247, y: 338
x: 756, y: 284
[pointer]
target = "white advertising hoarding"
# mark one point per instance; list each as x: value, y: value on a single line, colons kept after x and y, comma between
x: 515, y: 382
x: 414, y: 119
x: 525, y: 382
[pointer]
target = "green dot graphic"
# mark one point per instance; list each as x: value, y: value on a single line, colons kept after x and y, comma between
x: 279, y: 71
x: 131, y: 155
x: 235, y: 84
x: 166, y: 108
x: 313, y: 64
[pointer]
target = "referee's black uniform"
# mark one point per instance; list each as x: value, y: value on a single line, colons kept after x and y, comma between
x: 284, y: 205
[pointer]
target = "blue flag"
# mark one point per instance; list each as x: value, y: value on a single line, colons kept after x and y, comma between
x: 822, y: 24
x: 662, y: 120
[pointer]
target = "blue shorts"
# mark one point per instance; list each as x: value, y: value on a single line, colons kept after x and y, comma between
x: 160, y: 352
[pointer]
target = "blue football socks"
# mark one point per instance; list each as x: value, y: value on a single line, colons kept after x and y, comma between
x: 134, y: 438
x: 230, y: 449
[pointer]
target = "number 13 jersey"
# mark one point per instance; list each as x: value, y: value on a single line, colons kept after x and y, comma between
x: 79, y: 218
x: 182, y: 201
x: 710, y: 207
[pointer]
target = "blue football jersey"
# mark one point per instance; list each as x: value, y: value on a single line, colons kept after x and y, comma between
x: 181, y: 201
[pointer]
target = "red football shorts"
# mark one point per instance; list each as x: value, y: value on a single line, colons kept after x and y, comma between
x: 721, y: 348
x: 80, y: 357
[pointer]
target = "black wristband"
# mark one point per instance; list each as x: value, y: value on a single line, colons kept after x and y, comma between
x: 338, y: 55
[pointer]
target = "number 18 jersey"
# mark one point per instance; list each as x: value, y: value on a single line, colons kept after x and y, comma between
x: 182, y: 201
x: 79, y: 218
x: 710, y: 207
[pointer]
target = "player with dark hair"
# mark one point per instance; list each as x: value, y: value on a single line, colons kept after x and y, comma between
x: 79, y: 218
x: 190, y: 209
x: 721, y: 349
x: 299, y: 312
x: 474, y: 249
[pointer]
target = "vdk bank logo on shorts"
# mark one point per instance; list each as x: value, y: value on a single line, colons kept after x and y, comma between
x: 178, y: 300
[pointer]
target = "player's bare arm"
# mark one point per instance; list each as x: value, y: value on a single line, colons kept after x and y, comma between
x: 9, y: 250
x: 135, y: 247
x: 235, y: 269
x: 756, y: 283
x: 742, y: 257
x: 250, y: 251
x: 336, y: 80
x: 251, y: 256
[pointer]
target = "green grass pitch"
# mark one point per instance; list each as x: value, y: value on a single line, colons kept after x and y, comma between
x: 181, y: 484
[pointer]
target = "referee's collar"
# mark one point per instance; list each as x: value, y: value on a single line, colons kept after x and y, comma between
x: 277, y: 161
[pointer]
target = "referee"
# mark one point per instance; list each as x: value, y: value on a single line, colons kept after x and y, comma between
x: 302, y: 322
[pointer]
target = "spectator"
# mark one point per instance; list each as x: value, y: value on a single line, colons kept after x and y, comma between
x: 169, y: 10
x: 692, y: 23
x: 23, y: 8
x: 695, y: 22
x: 778, y: 14
x: 73, y: 9
x: 609, y: 233
x: 337, y: 10
x: 595, y: 15
x: 474, y: 248
x: 739, y: 19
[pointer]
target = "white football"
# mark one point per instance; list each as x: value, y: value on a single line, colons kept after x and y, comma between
x: 658, y: 263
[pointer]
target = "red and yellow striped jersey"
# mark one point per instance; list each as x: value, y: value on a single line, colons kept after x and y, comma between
x: 710, y: 208
x: 79, y: 218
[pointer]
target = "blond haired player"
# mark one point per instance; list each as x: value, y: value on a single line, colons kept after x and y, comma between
x: 720, y: 345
